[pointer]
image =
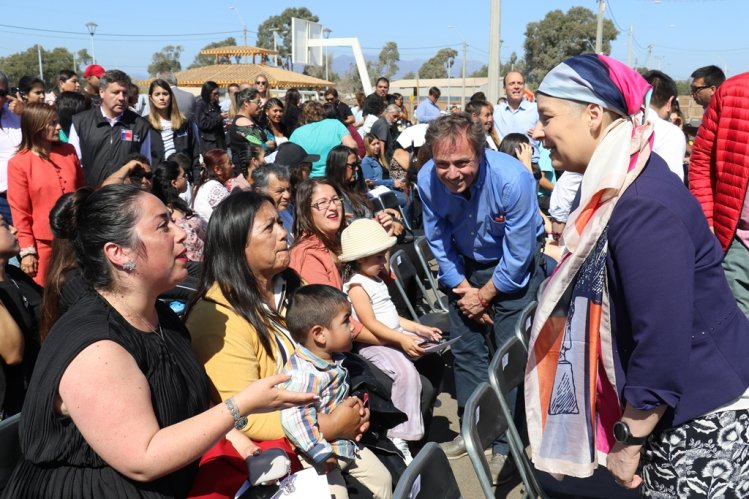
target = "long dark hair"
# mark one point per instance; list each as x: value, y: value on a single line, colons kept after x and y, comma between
x: 63, y: 258
x: 206, y: 89
x: 163, y: 175
x: 303, y: 224
x: 335, y: 170
x: 225, y: 262
x: 69, y: 104
x: 106, y: 215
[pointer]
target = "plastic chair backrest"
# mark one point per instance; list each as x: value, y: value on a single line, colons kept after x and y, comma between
x: 10, y: 448
x: 429, y: 476
x: 405, y: 273
x: 424, y: 253
x: 387, y: 199
x: 525, y: 322
x: 483, y: 422
x: 506, y: 373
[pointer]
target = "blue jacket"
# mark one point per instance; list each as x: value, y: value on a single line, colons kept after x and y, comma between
x: 680, y: 337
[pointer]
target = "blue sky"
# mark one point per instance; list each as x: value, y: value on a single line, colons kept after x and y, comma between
x: 685, y: 34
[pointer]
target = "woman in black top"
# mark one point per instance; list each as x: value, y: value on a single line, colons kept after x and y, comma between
x: 118, y: 404
x: 292, y: 111
x: 20, y: 300
x: 210, y: 119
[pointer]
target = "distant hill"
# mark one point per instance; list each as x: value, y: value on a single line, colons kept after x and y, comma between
x: 341, y: 64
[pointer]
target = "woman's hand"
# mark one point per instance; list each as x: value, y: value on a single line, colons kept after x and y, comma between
x: 524, y: 153
x: 622, y: 462
x: 30, y: 265
x: 264, y: 395
x: 271, y: 145
x: 410, y: 346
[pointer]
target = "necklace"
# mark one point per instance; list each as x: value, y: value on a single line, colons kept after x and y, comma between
x: 143, y: 320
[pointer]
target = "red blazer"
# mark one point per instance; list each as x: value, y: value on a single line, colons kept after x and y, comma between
x: 719, y: 167
x: 35, y: 185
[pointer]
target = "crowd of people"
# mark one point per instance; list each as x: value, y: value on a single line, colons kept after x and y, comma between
x: 188, y: 283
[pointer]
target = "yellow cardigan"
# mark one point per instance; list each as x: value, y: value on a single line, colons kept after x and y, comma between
x: 229, y: 348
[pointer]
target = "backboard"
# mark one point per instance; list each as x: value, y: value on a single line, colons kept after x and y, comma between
x: 301, y: 32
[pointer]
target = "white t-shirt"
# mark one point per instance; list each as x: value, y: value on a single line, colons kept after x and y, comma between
x: 382, y: 306
x: 669, y: 142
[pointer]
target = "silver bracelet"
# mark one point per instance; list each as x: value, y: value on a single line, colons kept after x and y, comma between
x: 239, y: 420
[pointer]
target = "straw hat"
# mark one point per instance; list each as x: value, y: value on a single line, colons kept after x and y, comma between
x: 364, y: 237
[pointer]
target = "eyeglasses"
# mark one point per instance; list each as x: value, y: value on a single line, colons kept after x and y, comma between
x: 354, y: 165
x: 261, y: 83
x: 695, y: 90
x: 323, y: 204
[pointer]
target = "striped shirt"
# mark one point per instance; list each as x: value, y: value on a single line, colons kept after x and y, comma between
x: 310, y: 373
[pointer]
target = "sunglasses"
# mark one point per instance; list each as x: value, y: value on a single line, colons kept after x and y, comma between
x: 261, y: 83
x: 694, y: 90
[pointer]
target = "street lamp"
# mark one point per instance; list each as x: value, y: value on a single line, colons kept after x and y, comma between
x: 91, y: 26
x: 244, y: 28
x: 274, y: 32
x: 448, y: 66
x: 326, y: 33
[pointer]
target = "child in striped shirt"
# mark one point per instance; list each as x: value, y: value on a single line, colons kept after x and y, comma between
x: 318, y: 318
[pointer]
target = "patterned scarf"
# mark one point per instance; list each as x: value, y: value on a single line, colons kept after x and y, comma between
x: 570, y: 382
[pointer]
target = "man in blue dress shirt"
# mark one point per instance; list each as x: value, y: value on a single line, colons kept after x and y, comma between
x: 517, y: 114
x: 483, y: 225
x: 428, y: 110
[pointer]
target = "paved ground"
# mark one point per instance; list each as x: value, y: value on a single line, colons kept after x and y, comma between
x: 445, y: 427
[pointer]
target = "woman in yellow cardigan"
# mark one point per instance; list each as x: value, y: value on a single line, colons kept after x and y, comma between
x: 237, y: 318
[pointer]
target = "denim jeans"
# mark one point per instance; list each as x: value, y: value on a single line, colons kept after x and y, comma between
x: 472, y: 354
x: 5, y: 209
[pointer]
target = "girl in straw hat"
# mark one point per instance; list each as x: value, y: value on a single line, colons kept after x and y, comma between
x: 364, y: 244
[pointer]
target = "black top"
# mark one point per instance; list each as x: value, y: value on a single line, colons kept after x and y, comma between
x: 290, y: 119
x: 57, y: 461
x: 105, y: 147
x: 211, y: 126
x: 23, y: 298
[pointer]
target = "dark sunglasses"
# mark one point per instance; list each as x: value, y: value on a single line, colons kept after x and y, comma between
x: 261, y: 83
x: 694, y: 90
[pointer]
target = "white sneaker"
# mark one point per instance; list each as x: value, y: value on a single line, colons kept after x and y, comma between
x: 402, y: 446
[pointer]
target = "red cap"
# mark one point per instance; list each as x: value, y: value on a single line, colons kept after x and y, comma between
x: 93, y: 70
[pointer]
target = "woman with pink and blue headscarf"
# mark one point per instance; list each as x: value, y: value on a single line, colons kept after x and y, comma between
x: 638, y: 353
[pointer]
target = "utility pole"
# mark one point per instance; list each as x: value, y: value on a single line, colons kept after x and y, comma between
x: 463, y: 92
x: 244, y: 31
x: 599, y: 26
x: 274, y: 32
x: 494, y: 46
x: 650, y: 52
x: 39, y: 54
x: 629, y: 49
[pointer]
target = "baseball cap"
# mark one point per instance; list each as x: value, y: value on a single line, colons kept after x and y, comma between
x: 290, y: 154
x: 93, y: 70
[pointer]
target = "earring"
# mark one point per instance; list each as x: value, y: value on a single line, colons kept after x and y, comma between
x: 128, y: 266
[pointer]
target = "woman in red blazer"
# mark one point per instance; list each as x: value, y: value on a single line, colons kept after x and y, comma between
x: 42, y: 170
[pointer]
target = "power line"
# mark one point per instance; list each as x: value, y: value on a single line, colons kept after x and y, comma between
x: 125, y: 35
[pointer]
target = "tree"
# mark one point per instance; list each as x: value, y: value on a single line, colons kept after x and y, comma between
x: 166, y: 58
x: 435, y: 67
x: 387, y: 64
x: 82, y: 59
x: 409, y: 76
x: 559, y: 36
x: 27, y: 63
x: 282, y: 23
x: 206, y: 60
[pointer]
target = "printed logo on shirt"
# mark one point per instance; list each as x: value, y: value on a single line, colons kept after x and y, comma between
x: 127, y: 135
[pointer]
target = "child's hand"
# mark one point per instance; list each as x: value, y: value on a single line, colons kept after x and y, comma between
x: 524, y: 153
x: 410, y: 345
x: 430, y: 333
x: 330, y: 464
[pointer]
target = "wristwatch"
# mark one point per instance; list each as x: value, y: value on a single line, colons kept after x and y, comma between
x: 623, y: 435
x: 239, y: 420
